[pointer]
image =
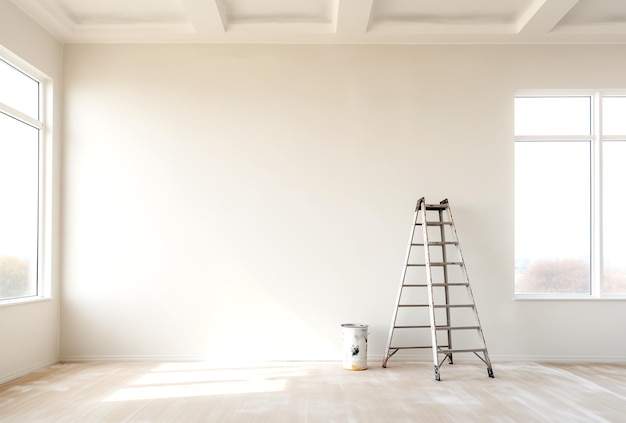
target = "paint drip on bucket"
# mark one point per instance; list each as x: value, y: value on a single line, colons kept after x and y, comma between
x: 354, y: 346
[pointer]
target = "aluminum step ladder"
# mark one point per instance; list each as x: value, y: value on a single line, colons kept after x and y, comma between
x: 436, y: 308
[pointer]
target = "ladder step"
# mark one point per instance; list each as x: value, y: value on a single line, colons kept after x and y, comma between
x: 437, y: 328
x: 412, y: 327
x: 438, y: 263
x: 435, y: 243
x: 456, y: 327
x: 410, y: 348
x: 423, y: 285
x: 439, y: 305
x: 433, y: 223
x: 450, y: 351
x: 452, y: 284
x: 453, y: 305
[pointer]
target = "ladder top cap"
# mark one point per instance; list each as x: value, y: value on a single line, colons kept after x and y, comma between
x: 436, y: 206
x: 441, y: 206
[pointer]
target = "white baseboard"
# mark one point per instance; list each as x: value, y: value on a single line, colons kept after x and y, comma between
x: 557, y: 359
x: 131, y: 358
x: 372, y: 359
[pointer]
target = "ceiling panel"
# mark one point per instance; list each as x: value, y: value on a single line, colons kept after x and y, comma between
x: 452, y: 12
x: 115, y: 12
x: 596, y: 13
x: 278, y: 10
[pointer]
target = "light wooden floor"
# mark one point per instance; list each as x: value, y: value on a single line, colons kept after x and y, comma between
x: 316, y: 392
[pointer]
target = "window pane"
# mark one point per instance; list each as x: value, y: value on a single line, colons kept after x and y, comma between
x: 614, y: 210
x: 614, y: 115
x: 552, y: 115
x: 19, y: 91
x: 19, y: 150
x: 552, y: 217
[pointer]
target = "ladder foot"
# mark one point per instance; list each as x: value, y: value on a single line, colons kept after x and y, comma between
x: 490, y: 372
x: 437, y: 376
x: 385, y: 362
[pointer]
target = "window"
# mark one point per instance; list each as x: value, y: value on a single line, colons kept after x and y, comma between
x: 21, y: 173
x: 614, y: 195
x: 569, y: 196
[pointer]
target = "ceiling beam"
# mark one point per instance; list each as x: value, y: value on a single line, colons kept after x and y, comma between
x: 206, y: 16
x: 353, y: 16
x: 543, y: 15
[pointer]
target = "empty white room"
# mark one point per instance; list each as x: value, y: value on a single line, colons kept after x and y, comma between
x: 195, y: 196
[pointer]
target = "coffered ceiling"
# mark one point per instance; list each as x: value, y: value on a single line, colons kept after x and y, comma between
x: 331, y: 21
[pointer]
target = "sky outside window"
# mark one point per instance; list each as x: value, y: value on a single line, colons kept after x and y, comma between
x: 553, y: 195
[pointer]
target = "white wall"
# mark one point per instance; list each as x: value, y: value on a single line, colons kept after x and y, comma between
x: 241, y: 202
x: 29, y: 333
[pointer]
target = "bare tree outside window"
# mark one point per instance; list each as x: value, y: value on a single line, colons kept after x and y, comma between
x: 15, y: 280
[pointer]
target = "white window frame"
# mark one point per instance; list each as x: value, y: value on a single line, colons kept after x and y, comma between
x: 44, y: 126
x: 597, y: 139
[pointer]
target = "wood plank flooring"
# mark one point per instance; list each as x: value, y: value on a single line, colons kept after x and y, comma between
x: 316, y: 392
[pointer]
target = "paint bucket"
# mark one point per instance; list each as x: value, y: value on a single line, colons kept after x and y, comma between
x: 354, y: 346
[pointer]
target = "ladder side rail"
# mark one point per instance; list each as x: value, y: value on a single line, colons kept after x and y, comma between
x: 444, y: 258
x: 469, y: 288
x: 402, y: 279
x: 429, y: 283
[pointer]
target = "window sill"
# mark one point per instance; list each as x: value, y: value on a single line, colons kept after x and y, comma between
x: 565, y: 297
x: 26, y: 300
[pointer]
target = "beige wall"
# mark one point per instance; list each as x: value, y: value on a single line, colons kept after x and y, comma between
x: 29, y: 333
x: 241, y: 202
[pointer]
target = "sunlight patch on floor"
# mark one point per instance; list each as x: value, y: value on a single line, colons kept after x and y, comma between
x: 179, y: 380
x: 179, y: 390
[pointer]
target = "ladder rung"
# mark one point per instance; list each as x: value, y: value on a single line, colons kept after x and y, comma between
x: 412, y: 305
x: 456, y: 327
x: 423, y: 285
x: 433, y: 223
x: 410, y: 348
x: 412, y: 327
x: 452, y: 305
x: 438, y: 263
x: 452, y: 284
x: 439, y: 305
x: 442, y: 351
x: 421, y: 244
x: 437, y: 285
x: 437, y: 328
